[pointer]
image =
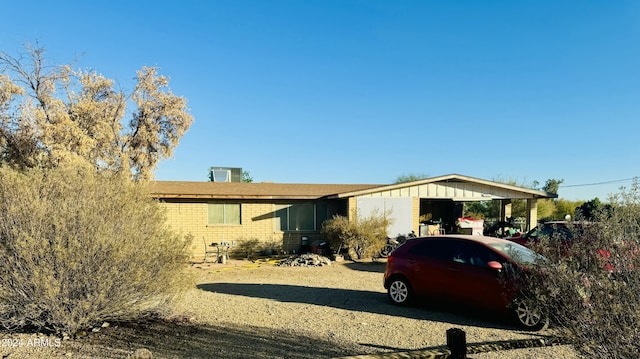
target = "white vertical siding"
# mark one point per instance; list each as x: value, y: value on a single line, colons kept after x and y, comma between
x: 398, y: 209
x: 448, y: 190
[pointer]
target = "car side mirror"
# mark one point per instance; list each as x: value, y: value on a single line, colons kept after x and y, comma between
x: 495, y: 265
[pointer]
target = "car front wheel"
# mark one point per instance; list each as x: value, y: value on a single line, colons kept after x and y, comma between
x: 529, y: 316
x: 399, y: 291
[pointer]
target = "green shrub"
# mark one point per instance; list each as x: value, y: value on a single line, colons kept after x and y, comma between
x: 362, y: 236
x: 590, y: 288
x: 79, y: 248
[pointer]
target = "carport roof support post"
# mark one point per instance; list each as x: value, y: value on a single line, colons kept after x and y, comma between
x: 532, y: 213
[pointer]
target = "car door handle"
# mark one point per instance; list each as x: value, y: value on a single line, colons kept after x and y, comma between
x: 453, y: 269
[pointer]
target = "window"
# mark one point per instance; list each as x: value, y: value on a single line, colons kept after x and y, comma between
x: 322, y: 214
x: 300, y: 217
x: 478, y: 255
x: 224, y: 213
x: 434, y: 248
x: 518, y: 253
x: 456, y: 251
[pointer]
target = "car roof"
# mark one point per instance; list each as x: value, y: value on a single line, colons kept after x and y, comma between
x: 564, y: 223
x: 475, y: 238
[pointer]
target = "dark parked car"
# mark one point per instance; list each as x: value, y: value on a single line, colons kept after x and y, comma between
x: 565, y: 234
x: 466, y: 270
x: 562, y: 230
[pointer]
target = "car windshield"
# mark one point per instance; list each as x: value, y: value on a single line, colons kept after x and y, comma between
x: 518, y: 253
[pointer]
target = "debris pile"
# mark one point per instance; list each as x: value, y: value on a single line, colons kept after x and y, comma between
x: 306, y: 260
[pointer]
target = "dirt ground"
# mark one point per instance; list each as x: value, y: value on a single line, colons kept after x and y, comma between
x: 258, y: 310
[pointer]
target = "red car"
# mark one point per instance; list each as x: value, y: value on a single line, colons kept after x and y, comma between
x: 465, y: 270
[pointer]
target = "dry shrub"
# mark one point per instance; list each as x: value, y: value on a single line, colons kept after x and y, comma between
x: 364, y: 236
x: 590, y: 287
x: 270, y: 248
x: 80, y: 248
x: 252, y: 248
x: 246, y: 248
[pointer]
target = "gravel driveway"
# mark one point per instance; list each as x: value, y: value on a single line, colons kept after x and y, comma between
x: 342, y: 309
x: 248, y: 310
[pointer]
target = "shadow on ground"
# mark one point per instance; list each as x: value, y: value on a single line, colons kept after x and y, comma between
x: 172, y: 340
x: 359, y: 300
x: 373, y: 267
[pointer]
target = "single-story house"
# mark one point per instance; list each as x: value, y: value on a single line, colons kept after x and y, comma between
x: 286, y: 213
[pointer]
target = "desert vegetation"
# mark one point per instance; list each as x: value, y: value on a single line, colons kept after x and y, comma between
x: 589, y: 283
x: 364, y: 236
x: 80, y: 248
x: 81, y: 240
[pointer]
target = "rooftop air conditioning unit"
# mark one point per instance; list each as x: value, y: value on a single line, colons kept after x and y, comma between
x: 225, y: 174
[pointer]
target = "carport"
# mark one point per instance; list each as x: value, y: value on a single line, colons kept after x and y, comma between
x: 439, y: 199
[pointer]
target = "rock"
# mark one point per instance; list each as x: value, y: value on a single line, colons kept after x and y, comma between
x: 181, y: 318
x: 142, y: 353
x: 306, y: 260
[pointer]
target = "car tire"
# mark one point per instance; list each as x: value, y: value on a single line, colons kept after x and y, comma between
x: 399, y: 291
x: 528, y: 316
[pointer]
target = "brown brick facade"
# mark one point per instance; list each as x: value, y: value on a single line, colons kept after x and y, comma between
x: 258, y: 222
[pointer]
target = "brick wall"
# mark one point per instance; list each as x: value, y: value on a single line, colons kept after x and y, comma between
x: 257, y: 223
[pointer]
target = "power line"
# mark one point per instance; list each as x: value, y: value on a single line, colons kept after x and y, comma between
x: 599, y: 183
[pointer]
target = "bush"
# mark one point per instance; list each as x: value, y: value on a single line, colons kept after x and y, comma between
x: 270, y: 248
x: 79, y: 248
x: 590, y: 288
x: 246, y: 249
x: 363, y: 237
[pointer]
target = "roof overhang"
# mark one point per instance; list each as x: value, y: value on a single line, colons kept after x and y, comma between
x: 453, y: 186
x: 248, y: 191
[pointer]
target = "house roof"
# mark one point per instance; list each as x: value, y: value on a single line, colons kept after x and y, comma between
x: 453, y: 186
x: 241, y: 190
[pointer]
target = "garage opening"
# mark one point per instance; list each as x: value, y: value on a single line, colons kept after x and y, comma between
x: 437, y: 214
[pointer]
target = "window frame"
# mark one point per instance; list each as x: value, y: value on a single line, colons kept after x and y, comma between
x: 284, y: 218
x: 226, y: 219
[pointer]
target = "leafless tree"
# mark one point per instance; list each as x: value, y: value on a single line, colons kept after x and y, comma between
x: 52, y: 114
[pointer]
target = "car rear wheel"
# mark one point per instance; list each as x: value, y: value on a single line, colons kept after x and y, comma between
x: 399, y: 291
x: 529, y: 316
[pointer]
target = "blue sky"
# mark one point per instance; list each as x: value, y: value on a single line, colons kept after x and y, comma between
x: 349, y: 91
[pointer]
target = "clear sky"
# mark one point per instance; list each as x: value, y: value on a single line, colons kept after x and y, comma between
x: 364, y: 91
